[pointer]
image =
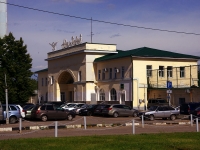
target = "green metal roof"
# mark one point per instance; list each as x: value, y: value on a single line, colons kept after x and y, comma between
x: 43, y: 70
x: 146, y: 52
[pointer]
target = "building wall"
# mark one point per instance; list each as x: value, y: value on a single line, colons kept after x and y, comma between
x: 43, y: 82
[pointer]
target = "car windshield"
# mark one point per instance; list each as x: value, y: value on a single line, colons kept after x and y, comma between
x: 153, y: 108
x: 197, y: 109
x: 71, y: 105
x: 84, y: 106
x: 59, y: 108
x: 162, y: 101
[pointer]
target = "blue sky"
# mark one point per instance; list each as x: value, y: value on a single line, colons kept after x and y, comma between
x: 38, y: 29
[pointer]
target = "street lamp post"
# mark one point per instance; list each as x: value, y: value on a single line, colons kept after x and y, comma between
x: 6, y: 93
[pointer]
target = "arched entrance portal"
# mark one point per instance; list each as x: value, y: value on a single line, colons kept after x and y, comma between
x: 65, y: 82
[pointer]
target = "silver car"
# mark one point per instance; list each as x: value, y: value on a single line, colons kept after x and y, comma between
x: 116, y: 110
x: 163, y: 112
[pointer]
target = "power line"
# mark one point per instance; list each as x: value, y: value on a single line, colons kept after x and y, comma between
x: 120, y: 24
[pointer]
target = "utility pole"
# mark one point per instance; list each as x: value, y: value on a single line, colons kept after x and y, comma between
x: 6, y: 92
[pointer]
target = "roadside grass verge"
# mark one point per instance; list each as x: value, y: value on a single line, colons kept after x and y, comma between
x: 161, y: 141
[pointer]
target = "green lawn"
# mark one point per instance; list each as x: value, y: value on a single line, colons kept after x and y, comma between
x: 161, y: 141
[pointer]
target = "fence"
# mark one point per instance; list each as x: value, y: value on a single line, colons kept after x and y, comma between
x: 180, y: 77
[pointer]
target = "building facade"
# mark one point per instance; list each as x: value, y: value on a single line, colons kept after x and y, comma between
x: 96, y: 73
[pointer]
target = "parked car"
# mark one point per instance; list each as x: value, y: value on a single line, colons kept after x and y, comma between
x: 74, y: 106
x: 117, y: 110
x: 22, y: 112
x: 88, y: 110
x: 163, y: 112
x: 99, y: 108
x: 157, y: 102
x: 188, y: 108
x: 51, y: 112
x: 56, y: 103
x: 14, y: 113
x: 196, y: 113
x: 82, y: 107
x: 27, y: 106
x: 28, y: 112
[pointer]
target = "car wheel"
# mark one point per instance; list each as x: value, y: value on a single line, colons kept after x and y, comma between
x: 12, y: 119
x: 115, y: 115
x: 69, y: 117
x: 151, y: 117
x: 172, y: 117
x: 134, y: 114
x: 89, y: 113
x: 44, y: 118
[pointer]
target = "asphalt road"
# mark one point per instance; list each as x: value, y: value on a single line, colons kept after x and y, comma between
x: 156, y: 126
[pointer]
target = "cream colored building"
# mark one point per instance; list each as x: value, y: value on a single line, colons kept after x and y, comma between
x: 94, y: 73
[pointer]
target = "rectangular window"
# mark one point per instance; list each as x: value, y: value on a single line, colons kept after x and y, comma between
x: 46, y: 81
x: 182, y: 72
x: 123, y: 72
x: 99, y: 74
x: 169, y: 71
x: 161, y: 71
x: 62, y: 96
x: 42, y: 81
x: 79, y: 76
x: 110, y: 73
x: 149, y: 70
x: 115, y: 75
x: 103, y: 74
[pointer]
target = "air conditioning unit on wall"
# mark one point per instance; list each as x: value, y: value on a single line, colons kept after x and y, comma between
x: 117, y: 70
x: 187, y: 90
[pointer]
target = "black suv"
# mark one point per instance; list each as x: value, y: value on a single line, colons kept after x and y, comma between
x: 51, y: 112
x: 188, y: 108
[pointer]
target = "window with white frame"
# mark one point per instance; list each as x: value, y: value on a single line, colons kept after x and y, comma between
x: 122, y: 72
x: 182, y: 72
x: 149, y: 70
x: 110, y: 73
x: 42, y: 81
x: 161, y: 71
x: 79, y: 76
x: 99, y: 74
x: 113, y: 95
x: 169, y: 71
x: 101, y: 95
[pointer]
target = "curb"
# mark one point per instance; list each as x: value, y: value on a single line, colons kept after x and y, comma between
x: 82, y: 126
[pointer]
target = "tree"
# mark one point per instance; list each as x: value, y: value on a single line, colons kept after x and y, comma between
x: 15, y: 70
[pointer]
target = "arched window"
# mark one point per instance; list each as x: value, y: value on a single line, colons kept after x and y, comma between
x: 101, y: 95
x: 113, y: 95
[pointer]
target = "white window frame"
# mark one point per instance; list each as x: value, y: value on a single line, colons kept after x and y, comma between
x: 161, y: 71
x: 113, y: 95
x: 182, y: 72
x: 149, y: 70
x: 101, y: 95
x: 169, y: 71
